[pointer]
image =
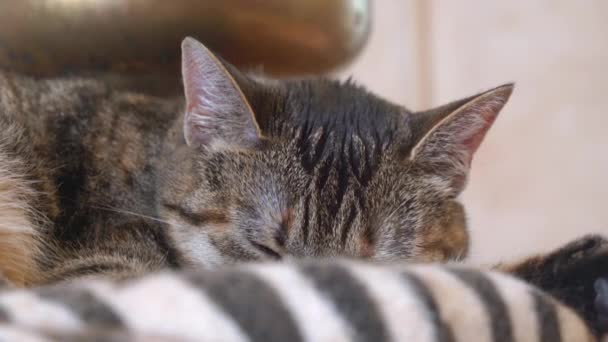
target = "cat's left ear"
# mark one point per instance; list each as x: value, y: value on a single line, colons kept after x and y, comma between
x: 451, y: 134
x: 217, y: 112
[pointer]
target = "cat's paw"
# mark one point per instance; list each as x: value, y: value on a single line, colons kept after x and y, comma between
x: 585, y: 252
x: 574, y: 274
x: 577, y: 274
x: 601, y: 304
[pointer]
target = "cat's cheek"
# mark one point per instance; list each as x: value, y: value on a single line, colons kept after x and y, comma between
x: 201, y: 252
x: 197, y: 248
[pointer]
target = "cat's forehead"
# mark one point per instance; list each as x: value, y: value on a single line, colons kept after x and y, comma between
x: 338, y: 131
x: 342, y: 112
x: 337, y: 106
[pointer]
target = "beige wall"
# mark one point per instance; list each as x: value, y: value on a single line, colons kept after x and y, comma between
x: 539, y: 179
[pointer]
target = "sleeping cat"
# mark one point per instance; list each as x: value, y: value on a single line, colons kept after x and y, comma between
x: 98, y: 180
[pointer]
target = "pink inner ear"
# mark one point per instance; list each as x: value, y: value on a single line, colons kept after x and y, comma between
x: 194, y: 87
x: 190, y: 83
x: 194, y: 60
x: 216, y: 110
x: 450, y: 145
x: 472, y: 143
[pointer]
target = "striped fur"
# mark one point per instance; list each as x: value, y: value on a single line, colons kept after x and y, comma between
x: 95, y: 180
x: 20, y: 223
x: 320, y: 301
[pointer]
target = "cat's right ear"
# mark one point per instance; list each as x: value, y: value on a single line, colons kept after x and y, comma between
x: 217, y: 112
x: 451, y: 134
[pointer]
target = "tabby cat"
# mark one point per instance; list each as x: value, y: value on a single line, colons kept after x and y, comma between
x: 96, y: 179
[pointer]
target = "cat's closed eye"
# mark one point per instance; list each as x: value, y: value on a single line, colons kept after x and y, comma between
x: 267, y: 251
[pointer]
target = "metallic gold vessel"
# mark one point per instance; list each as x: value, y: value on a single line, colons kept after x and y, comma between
x: 284, y: 37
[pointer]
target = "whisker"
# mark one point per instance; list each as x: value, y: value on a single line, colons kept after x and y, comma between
x: 132, y: 213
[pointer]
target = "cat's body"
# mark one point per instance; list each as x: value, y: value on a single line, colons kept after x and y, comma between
x: 95, y: 179
x: 115, y: 187
x: 86, y: 152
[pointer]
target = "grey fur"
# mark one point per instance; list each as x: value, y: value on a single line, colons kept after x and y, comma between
x: 103, y: 180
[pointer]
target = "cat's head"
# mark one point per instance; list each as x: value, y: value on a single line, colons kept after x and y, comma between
x: 318, y: 168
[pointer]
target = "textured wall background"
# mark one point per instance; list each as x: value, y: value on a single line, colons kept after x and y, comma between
x: 541, y: 177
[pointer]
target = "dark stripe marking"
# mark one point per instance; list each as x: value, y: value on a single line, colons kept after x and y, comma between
x: 323, y: 172
x: 252, y: 303
x: 172, y: 255
x: 350, y: 298
x: 84, y: 304
x: 348, y: 224
x: 500, y: 319
x: 343, y: 183
x: 306, y: 219
x: 443, y: 332
x: 548, y: 323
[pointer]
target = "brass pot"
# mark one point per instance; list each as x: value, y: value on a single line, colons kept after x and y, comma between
x: 284, y: 37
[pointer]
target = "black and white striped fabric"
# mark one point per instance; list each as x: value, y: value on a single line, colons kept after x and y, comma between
x: 321, y: 301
